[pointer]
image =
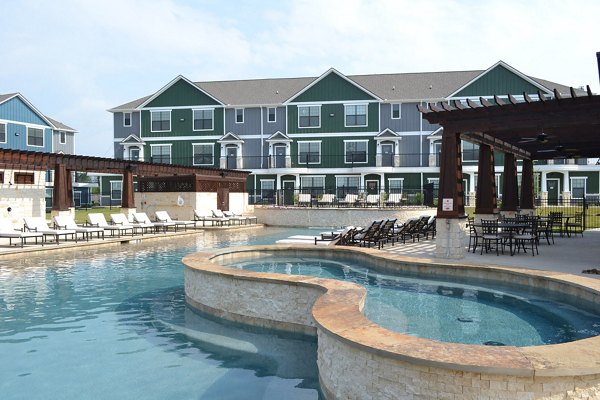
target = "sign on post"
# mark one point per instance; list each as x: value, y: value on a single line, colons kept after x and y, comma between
x: 447, y: 204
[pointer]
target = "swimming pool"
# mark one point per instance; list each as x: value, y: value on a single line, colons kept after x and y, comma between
x: 451, y: 311
x: 112, y: 323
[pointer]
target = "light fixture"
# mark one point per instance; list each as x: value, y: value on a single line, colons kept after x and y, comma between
x: 332, y: 115
x: 16, y: 133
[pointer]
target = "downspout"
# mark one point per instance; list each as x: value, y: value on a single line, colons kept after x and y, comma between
x: 261, y: 137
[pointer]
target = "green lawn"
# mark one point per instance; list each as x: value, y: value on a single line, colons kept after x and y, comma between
x: 81, y: 214
x: 592, y: 214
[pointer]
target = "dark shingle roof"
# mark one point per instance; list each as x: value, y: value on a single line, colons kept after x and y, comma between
x: 4, y: 97
x: 59, y: 125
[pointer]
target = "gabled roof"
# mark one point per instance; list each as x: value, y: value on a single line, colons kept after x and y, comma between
x: 168, y: 85
x: 278, y: 137
x: 60, y: 126
x: 132, y: 139
x: 230, y: 137
x: 323, y: 76
x: 387, y: 133
x: 6, y: 97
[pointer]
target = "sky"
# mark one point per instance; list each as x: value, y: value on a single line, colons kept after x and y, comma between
x: 75, y: 59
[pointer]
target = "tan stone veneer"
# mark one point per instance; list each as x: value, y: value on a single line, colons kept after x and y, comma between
x: 359, y: 359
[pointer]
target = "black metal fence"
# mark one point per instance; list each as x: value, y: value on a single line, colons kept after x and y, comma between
x: 569, y: 208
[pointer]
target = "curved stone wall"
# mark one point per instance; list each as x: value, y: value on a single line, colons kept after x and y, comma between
x: 359, y: 359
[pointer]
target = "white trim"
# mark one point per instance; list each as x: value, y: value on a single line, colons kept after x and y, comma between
x: 395, y: 179
x: 326, y: 73
x: 308, y: 141
x: 211, y: 109
x: 162, y: 144
x: 571, y: 178
x: 275, y: 114
x: 5, y: 131
x: 168, y: 85
x: 8, y: 121
x: 198, y: 106
x: 235, y: 115
x: 366, y: 152
x: 212, y: 147
x: 27, y: 136
x: 60, y: 137
x: 392, y: 110
x: 311, y: 176
x: 366, y: 115
x: 111, y: 190
x: 302, y: 103
x: 462, y: 152
x: 309, y: 127
x: 130, y: 119
x: 170, y: 121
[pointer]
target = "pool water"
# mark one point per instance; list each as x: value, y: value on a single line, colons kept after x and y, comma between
x: 450, y: 311
x: 112, y: 323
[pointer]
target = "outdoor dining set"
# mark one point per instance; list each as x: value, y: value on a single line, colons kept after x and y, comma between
x: 522, y: 232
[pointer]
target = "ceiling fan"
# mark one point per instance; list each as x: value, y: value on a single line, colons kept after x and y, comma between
x: 541, y: 138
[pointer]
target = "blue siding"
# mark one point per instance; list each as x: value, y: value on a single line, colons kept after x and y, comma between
x: 16, y: 110
x: 16, y: 138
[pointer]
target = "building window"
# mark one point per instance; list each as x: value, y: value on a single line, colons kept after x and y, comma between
x: 2, y: 133
x: 115, y: 190
x: 355, y: 151
x: 470, y: 151
x: 35, y: 137
x: 355, y: 114
x: 309, y: 116
x: 267, y: 190
x: 62, y: 137
x: 160, y: 153
x: 203, y: 154
x: 309, y: 152
x: 203, y: 120
x: 395, y: 185
x: 312, y: 184
x: 396, y: 111
x: 578, y: 188
x: 161, y: 121
x: 271, y: 114
x: 127, y: 119
x: 346, y: 184
x: 23, y: 178
x: 239, y: 115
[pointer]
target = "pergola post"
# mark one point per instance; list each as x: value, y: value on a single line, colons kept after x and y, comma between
x: 451, y: 234
x: 127, y: 200
x: 527, y: 203
x: 485, y: 202
x: 510, y: 193
x: 61, y: 200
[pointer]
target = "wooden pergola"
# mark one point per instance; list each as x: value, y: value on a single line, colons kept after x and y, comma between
x: 534, y: 129
x: 63, y: 164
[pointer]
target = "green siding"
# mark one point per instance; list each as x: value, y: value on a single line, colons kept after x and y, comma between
x: 411, y: 180
x: 182, y: 151
x: 332, y: 152
x: 333, y: 88
x: 336, y: 122
x: 498, y: 81
x: 182, y: 124
x: 181, y: 93
x: 592, y: 181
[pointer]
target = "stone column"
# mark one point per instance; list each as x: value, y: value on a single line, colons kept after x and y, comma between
x: 451, y: 238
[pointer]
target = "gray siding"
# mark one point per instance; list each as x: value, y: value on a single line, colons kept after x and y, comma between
x: 121, y: 132
x: 409, y: 118
x: 250, y: 126
x: 251, y: 154
x: 66, y: 148
x: 410, y: 151
x: 279, y: 124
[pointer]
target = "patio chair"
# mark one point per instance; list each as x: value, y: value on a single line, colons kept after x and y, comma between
x: 369, y: 235
x: 246, y: 219
x: 386, y: 233
x: 372, y: 200
x: 394, y: 200
x: 122, y: 220
x: 529, y: 235
x: 576, y: 226
x: 350, y: 200
x: 142, y: 219
x: 489, y: 235
x: 200, y: 217
x: 327, y: 200
x: 7, y: 230
x: 544, y: 227
x: 406, y: 230
x: 557, y: 224
x: 473, y: 234
x: 304, y: 199
x: 38, y: 224
x: 68, y: 222
x: 99, y: 221
x: 163, y: 216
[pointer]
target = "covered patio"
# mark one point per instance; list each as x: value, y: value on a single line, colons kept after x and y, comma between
x: 538, y: 128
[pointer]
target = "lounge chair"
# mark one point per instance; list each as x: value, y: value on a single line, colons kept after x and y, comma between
x: 246, y: 219
x: 304, y: 199
x: 199, y: 216
x: 7, y: 230
x: 327, y: 200
x: 372, y: 200
x: 99, y: 221
x: 394, y: 200
x: 38, y: 224
x: 308, y: 240
x: 67, y: 222
x: 122, y: 220
x: 350, y: 200
x: 163, y: 216
x: 141, y: 218
x: 369, y: 235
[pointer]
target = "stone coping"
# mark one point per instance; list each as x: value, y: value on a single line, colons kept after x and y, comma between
x: 339, y: 310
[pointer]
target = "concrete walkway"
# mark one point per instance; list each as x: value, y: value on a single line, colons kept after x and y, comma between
x: 571, y: 255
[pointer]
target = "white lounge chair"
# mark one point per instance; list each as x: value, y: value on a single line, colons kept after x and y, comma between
x: 121, y: 220
x: 99, y: 221
x: 163, y: 216
x: 327, y: 200
x: 372, y: 200
x: 67, y: 222
x: 39, y: 225
x: 7, y: 230
x: 304, y: 199
x: 246, y: 219
x: 349, y: 200
x: 394, y: 199
x: 141, y: 218
x: 199, y: 216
